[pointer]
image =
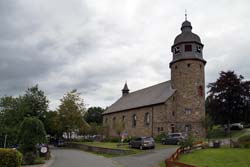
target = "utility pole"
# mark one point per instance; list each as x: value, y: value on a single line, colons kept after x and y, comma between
x: 5, y: 139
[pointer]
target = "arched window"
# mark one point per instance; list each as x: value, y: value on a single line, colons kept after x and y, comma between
x: 187, y: 128
x: 134, y: 120
x: 200, y: 90
x: 172, y: 128
x: 114, y: 119
x: 147, y: 119
x: 123, y: 118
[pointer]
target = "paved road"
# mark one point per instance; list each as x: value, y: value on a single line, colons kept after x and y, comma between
x: 149, y: 159
x: 76, y: 158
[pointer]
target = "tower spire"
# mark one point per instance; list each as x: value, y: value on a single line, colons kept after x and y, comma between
x: 125, y: 90
x: 185, y: 14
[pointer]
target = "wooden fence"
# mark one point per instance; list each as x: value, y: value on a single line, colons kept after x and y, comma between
x: 172, y: 161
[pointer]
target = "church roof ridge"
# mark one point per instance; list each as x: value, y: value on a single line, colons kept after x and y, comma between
x: 155, y: 94
x: 150, y: 86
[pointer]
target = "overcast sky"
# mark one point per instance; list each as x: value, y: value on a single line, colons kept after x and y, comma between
x: 94, y: 46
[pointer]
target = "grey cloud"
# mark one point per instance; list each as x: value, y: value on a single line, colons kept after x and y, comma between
x: 96, y: 46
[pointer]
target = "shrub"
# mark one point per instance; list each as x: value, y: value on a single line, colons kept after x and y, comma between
x: 187, y: 142
x: 244, y: 141
x: 10, y: 158
x: 216, y: 132
x: 29, y: 158
x: 31, y: 133
x: 128, y: 139
x: 112, y: 139
x: 159, y: 137
x: 247, y: 126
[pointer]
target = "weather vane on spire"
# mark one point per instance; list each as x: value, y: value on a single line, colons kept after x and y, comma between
x: 185, y: 14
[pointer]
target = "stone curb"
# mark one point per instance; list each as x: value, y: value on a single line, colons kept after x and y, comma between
x: 49, y: 162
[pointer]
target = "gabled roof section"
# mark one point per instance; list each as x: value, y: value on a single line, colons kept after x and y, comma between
x: 155, y: 94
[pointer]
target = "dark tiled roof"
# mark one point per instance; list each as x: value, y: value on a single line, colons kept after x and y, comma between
x: 155, y: 94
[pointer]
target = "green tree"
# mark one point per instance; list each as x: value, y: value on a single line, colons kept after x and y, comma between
x: 207, y: 123
x: 94, y: 115
x: 70, y: 113
x: 13, y: 111
x: 31, y: 132
x: 36, y: 102
x: 119, y: 128
x: 50, y: 124
x: 228, y: 99
x: 11, y: 116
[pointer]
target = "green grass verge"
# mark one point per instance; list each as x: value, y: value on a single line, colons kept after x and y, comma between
x: 219, y: 133
x: 40, y: 160
x: 223, y: 157
x: 123, y: 147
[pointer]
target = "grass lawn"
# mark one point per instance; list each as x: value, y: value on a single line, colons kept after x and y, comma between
x: 124, y: 147
x: 223, y: 157
x: 220, y: 134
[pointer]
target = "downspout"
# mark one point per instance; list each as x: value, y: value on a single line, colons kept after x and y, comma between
x: 152, y: 126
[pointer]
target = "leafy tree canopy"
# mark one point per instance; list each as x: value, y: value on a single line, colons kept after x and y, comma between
x: 94, y: 115
x: 31, y: 132
x: 228, y: 98
x: 36, y: 101
x: 70, y: 113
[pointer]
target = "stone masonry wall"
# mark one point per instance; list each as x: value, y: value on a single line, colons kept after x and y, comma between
x: 160, y: 116
x: 187, y: 77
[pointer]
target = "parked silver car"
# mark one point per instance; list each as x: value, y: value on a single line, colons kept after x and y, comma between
x: 173, y: 138
x: 142, y: 143
x: 236, y: 126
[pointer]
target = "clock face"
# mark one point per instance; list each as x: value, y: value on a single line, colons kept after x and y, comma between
x: 198, y: 49
x: 177, y: 50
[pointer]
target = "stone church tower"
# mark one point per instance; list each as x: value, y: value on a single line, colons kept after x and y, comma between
x: 176, y: 105
x: 187, y: 78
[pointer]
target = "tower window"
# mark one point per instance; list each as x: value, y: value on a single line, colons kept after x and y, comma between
x: 177, y: 50
x: 188, y: 65
x: 176, y: 67
x: 200, y: 90
x: 188, y: 48
x: 187, y: 128
x: 188, y: 111
x: 198, y: 49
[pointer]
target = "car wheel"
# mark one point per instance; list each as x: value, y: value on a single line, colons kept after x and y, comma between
x: 153, y: 147
x: 141, y: 147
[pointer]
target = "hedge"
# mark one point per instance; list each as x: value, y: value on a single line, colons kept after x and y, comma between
x: 10, y: 158
x: 244, y: 141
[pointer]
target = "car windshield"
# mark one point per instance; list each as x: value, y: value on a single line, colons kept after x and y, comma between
x: 149, y: 139
x: 175, y: 135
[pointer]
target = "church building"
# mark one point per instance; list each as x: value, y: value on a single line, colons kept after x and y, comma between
x: 176, y: 105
